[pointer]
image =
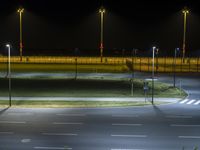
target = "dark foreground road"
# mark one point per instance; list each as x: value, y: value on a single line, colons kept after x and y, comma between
x: 169, y: 127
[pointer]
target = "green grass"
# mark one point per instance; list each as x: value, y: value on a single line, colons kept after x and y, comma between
x: 85, y: 88
x: 63, y: 104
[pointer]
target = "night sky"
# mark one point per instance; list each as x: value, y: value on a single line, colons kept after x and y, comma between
x: 72, y: 27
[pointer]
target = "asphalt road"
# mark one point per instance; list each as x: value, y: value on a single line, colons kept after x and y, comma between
x: 164, y: 127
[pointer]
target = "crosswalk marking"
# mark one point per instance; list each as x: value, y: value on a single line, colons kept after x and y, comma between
x: 197, y: 103
x: 182, y: 102
x: 191, y: 101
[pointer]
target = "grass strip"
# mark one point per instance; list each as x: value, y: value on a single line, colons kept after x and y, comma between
x: 78, y: 104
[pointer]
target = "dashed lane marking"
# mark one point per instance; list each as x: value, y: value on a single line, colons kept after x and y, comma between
x: 67, y: 123
x: 60, y: 134
x: 184, y: 125
x: 12, y: 122
x: 125, y: 124
x: 52, y: 148
x: 129, y: 135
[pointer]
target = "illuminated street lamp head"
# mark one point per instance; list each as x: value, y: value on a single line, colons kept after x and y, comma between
x: 185, y: 11
x: 7, y: 45
x: 102, y: 10
x: 154, y: 47
x: 157, y: 51
x: 20, y: 10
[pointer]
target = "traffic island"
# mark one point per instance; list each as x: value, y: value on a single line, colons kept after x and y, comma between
x: 87, y: 92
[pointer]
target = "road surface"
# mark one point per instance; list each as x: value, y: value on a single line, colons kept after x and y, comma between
x: 164, y: 127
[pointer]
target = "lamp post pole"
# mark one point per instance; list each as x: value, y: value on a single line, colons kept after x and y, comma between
x: 20, y: 11
x: 153, y: 75
x: 185, y: 12
x: 101, y: 11
x: 9, y: 75
x: 175, y: 52
x: 157, y: 61
x: 133, y: 65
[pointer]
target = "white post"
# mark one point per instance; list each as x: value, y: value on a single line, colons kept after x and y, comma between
x: 153, y: 75
x: 9, y: 75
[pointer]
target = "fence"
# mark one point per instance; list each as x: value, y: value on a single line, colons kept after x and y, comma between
x: 162, y: 64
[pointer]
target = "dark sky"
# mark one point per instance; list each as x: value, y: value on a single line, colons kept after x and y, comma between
x: 54, y: 25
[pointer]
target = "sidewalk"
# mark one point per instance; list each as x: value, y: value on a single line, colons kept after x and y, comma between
x: 170, y: 100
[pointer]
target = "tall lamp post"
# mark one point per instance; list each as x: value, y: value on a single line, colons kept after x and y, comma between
x: 157, y: 61
x: 175, y: 52
x: 185, y: 12
x: 9, y: 74
x: 20, y: 11
x: 134, y: 51
x: 102, y: 12
x: 154, y: 48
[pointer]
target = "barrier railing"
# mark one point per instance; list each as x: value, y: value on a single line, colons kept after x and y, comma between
x: 162, y: 64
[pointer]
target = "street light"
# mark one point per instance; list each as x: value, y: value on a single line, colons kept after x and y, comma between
x: 185, y: 11
x: 20, y: 11
x: 134, y: 51
x: 154, y: 48
x: 101, y: 11
x: 9, y: 74
x: 175, y: 51
x: 157, y: 61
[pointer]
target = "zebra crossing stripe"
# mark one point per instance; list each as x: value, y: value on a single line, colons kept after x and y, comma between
x: 191, y: 101
x: 197, y: 103
x: 182, y: 102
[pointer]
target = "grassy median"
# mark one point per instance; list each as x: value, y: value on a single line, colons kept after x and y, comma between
x: 44, y: 87
x: 76, y: 104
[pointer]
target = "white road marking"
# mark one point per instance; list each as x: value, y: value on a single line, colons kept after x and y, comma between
x: 73, y: 115
x: 67, y: 123
x: 16, y: 114
x: 189, y: 137
x: 128, y: 135
x: 191, y: 101
x: 130, y: 116
x: 197, y: 103
x: 183, y: 101
x: 184, y: 125
x: 53, y: 148
x: 13, y: 122
x: 26, y: 140
x: 125, y: 124
x: 6, y: 132
x: 60, y: 134
x: 186, y: 117
x: 124, y: 149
